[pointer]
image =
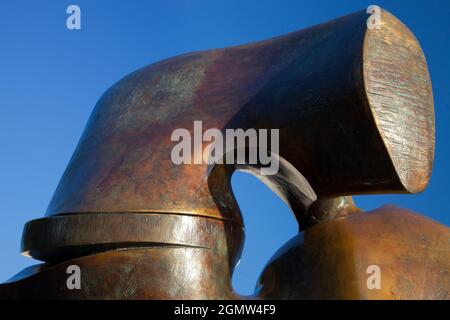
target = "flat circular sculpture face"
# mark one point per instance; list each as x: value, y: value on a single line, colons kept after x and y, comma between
x: 398, y: 88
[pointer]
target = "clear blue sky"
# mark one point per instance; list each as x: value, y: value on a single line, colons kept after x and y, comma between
x: 50, y: 79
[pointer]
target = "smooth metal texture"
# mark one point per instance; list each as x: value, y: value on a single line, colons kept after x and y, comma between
x: 354, y: 109
x: 331, y: 259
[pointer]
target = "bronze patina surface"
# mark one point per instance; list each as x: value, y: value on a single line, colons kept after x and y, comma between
x: 354, y: 109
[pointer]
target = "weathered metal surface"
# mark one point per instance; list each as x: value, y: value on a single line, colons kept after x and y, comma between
x: 398, y: 87
x: 164, y: 272
x: 354, y: 109
x: 327, y: 261
x: 59, y: 238
x: 330, y: 260
x: 318, y: 86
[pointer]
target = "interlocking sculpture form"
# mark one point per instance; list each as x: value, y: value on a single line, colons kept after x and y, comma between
x: 355, y: 114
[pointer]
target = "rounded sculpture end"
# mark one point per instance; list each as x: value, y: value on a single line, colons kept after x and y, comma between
x: 399, y: 92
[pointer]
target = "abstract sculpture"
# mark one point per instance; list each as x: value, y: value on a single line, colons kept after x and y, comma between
x: 354, y: 109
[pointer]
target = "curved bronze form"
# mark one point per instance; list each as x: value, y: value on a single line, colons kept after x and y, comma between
x: 354, y: 109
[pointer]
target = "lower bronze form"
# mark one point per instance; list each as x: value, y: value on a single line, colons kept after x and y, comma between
x: 355, y: 114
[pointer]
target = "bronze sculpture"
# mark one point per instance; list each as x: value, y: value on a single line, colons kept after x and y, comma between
x: 355, y: 112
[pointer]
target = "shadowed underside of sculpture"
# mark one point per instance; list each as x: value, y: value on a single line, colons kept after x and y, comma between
x: 354, y: 109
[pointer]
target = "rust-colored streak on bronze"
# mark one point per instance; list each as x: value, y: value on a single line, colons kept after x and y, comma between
x: 354, y: 109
